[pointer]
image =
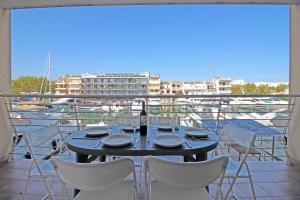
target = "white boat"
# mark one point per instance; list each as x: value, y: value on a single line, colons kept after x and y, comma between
x: 154, y: 104
x: 137, y: 104
x: 181, y: 103
x: 63, y: 103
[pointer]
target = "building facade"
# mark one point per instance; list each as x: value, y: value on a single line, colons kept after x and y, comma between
x: 154, y: 85
x: 68, y: 84
x: 104, y: 83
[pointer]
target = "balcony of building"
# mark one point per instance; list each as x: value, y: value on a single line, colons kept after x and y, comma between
x: 274, y: 176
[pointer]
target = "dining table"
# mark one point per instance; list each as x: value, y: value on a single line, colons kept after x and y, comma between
x: 192, y: 149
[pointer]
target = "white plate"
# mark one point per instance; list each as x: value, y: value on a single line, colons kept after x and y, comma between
x: 168, y: 140
x: 164, y: 128
x: 97, y: 131
x: 197, y: 132
x: 117, y: 140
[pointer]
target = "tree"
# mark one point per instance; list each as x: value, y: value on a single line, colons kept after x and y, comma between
x: 264, y: 89
x: 31, y: 84
x: 281, y: 88
x: 250, y: 88
x: 237, y: 89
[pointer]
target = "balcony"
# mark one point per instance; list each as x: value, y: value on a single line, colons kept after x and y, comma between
x: 273, y: 176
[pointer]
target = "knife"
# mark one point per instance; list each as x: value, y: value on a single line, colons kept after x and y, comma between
x: 187, y: 144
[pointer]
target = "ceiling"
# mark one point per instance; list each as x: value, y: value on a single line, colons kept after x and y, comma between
x: 16, y: 4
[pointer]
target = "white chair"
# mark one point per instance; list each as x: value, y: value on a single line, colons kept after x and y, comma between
x: 179, y: 180
x: 239, y: 169
x: 41, y: 148
x: 98, y: 181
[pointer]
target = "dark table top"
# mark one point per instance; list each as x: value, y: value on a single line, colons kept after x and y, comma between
x: 144, y: 146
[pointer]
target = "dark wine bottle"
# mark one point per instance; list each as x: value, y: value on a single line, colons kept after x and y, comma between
x: 143, y: 120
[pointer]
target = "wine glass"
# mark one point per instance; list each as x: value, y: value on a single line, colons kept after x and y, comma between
x: 173, y: 123
x: 135, y: 124
x: 154, y: 122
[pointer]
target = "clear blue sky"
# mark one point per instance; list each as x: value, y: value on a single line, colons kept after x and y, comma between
x: 178, y: 42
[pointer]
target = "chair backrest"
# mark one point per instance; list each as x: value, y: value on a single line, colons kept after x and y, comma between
x: 93, y: 176
x: 186, y: 175
x: 239, y: 135
x: 43, y: 135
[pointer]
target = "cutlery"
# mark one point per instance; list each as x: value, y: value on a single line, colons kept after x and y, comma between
x: 199, y: 138
x: 136, y: 142
x: 97, y: 144
x: 187, y: 144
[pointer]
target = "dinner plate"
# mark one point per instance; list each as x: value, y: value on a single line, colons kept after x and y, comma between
x: 97, y: 131
x: 197, y: 132
x: 164, y: 128
x: 168, y: 141
x: 131, y: 128
x: 117, y: 140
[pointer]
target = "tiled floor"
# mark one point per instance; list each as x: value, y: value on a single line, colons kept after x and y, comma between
x: 273, y: 180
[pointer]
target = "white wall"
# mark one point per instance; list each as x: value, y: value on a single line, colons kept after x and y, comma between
x: 294, y: 126
x: 5, y: 80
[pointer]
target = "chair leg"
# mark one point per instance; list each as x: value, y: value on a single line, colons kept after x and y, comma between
x: 251, y: 182
x: 252, y: 188
x: 61, y: 192
x: 48, y: 188
x: 27, y: 181
x: 230, y: 187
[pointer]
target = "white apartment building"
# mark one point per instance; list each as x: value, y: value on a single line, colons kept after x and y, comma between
x: 171, y: 88
x: 219, y: 85
x: 104, y: 83
x: 68, y: 84
x: 194, y: 88
x: 154, y: 84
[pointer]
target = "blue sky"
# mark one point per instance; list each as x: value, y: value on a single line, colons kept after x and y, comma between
x: 182, y: 42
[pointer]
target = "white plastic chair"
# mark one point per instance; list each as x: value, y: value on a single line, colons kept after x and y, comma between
x: 98, y: 181
x: 239, y: 169
x: 180, y: 180
x: 39, y: 146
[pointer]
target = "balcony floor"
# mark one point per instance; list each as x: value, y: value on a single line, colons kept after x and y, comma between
x: 273, y: 180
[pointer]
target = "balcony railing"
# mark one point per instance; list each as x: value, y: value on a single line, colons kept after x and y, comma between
x: 73, y: 112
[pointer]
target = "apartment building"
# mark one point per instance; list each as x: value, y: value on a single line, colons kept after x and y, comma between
x: 171, y: 88
x: 68, y: 84
x: 219, y: 85
x: 104, y: 83
x: 194, y: 88
x: 154, y: 84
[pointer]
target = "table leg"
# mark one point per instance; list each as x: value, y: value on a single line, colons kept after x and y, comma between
x: 80, y: 158
x: 102, y: 158
x: 201, y: 157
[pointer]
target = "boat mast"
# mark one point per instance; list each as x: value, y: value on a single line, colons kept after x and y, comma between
x: 49, y: 71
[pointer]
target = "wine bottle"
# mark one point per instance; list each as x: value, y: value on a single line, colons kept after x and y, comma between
x: 143, y: 120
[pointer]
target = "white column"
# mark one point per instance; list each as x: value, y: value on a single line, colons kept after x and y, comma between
x: 5, y: 83
x: 294, y: 126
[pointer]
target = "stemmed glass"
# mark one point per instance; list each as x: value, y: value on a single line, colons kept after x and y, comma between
x: 135, y: 124
x: 173, y: 123
x: 154, y: 123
